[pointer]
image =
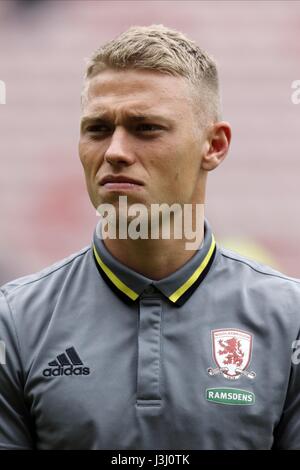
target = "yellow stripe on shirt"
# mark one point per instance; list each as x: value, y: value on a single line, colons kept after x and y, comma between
x: 114, y: 279
x: 193, y: 278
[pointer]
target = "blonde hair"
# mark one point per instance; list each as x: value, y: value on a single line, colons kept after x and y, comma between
x: 157, y: 47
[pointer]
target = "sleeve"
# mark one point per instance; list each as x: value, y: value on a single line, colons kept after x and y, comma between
x: 14, y: 416
x: 287, y: 432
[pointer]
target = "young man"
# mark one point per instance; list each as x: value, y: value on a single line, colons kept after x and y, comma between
x: 139, y: 342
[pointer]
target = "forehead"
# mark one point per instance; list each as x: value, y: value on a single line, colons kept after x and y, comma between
x: 137, y: 90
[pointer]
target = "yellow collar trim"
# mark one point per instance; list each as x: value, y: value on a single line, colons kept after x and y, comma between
x: 176, y: 295
x: 114, y: 279
x: 193, y: 278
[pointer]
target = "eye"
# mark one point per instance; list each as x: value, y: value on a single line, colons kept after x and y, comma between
x: 148, y: 127
x: 97, y: 128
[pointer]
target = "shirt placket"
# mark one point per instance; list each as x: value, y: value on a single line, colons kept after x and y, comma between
x: 149, y: 349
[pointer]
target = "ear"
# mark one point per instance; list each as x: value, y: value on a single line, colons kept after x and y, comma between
x: 216, y: 145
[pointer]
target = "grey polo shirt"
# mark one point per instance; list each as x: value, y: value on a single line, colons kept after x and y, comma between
x: 97, y: 356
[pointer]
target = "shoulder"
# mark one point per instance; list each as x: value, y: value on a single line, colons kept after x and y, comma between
x: 266, y: 293
x: 52, y: 274
x: 240, y: 262
x: 30, y: 304
x: 259, y: 282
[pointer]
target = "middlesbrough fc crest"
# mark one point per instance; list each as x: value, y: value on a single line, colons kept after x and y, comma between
x: 232, y: 353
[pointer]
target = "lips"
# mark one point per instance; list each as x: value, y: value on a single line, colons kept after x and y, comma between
x: 119, y: 180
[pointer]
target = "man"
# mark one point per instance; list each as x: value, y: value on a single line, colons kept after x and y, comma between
x: 140, y: 342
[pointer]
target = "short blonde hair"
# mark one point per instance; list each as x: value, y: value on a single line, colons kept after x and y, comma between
x: 157, y: 47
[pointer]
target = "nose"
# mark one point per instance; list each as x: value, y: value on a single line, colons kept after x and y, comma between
x: 119, y: 151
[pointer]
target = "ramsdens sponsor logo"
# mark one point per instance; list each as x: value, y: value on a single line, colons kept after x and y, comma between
x: 230, y: 396
x: 68, y: 363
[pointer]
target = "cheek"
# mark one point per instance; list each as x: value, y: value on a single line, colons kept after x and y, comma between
x: 83, y: 150
x: 165, y: 158
x: 90, y: 157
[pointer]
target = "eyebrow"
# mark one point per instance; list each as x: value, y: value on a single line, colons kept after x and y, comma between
x: 132, y: 116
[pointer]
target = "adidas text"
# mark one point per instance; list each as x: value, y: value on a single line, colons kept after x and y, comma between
x: 56, y: 371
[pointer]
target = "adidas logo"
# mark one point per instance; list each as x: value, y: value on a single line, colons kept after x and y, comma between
x: 68, y: 363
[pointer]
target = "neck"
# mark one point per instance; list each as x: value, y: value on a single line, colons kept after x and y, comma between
x: 158, y: 258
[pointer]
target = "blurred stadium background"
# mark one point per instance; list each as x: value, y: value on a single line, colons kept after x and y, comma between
x: 253, y: 197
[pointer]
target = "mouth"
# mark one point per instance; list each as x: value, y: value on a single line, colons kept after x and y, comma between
x: 120, y: 183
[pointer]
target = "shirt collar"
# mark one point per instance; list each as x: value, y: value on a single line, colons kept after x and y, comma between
x: 177, y: 287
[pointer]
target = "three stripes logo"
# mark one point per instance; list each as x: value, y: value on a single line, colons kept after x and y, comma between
x: 68, y: 363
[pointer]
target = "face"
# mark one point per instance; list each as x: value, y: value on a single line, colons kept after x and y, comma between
x: 139, y: 138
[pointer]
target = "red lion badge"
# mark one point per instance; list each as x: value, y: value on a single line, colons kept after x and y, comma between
x: 232, y: 351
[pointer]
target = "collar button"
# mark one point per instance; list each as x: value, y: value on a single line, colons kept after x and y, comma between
x: 149, y: 290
